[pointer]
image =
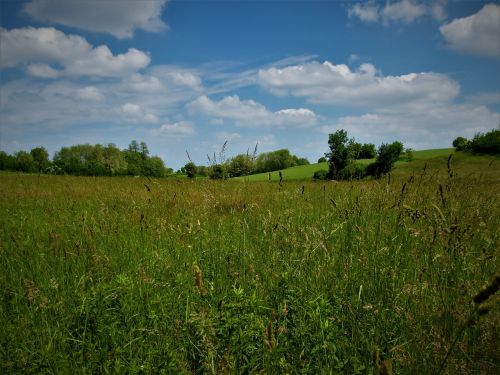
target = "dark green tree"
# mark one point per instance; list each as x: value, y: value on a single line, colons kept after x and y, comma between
x: 24, y: 162
x: 460, y: 143
x: 387, y: 155
x: 368, y: 151
x: 40, y: 158
x: 190, y: 169
x: 340, y: 153
x: 240, y: 165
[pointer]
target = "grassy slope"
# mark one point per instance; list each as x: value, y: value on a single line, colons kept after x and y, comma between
x: 305, y: 172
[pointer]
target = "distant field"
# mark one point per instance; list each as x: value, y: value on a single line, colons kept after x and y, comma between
x: 305, y: 172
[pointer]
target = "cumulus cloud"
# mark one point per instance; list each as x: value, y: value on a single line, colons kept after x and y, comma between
x: 478, y: 34
x: 91, y: 93
x: 339, y: 85
x: 119, y: 19
x: 177, y: 129
x: 422, y: 127
x: 405, y: 11
x: 50, y: 53
x: 251, y: 113
x: 136, y: 113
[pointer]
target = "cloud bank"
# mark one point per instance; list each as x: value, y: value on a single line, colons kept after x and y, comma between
x: 119, y: 19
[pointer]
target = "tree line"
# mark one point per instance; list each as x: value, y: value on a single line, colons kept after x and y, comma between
x: 344, y: 152
x: 88, y: 160
x: 245, y: 164
x: 482, y: 143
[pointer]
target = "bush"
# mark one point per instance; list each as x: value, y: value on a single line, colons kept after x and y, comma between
x: 218, y: 172
x: 387, y: 155
x: 353, y: 171
x: 322, y: 160
x: 460, y: 143
x: 321, y: 174
x: 488, y: 143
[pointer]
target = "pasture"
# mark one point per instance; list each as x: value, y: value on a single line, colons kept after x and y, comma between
x: 136, y: 275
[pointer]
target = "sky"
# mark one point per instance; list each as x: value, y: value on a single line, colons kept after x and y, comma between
x: 189, y: 75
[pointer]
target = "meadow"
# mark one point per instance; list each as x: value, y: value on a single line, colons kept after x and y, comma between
x: 138, y: 275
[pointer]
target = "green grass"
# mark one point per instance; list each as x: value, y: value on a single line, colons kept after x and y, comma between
x: 102, y: 275
x: 306, y: 172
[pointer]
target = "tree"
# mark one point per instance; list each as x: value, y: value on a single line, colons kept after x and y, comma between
x: 133, y: 146
x: 354, y: 149
x: 40, y: 158
x: 241, y: 165
x: 368, y: 151
x: 340, y: 153
x: 488, y: 143
x: 218, y: 172
x: 322, y: 159
x: 24, y: 162
x: 387, y: 155
x: 114, y: 160
x: 154, y: 167
x: 144, y: 150
x: 190, y: 169
x: 460, y: 143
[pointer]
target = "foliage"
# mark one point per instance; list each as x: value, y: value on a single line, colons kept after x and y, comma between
x: 274, y: 161
x: 24, y: 162
x: 367, y: 151
x: 241, y: 165
x: 218, y: 172
x: 486, y: 143
x: 482, y: 143
x: 387, y: 155
x: 409, y: 154
x: 321, y: 174
x: 460, y: 143
x: 190, y: 169
x: 340, y: 153
x: 40, y: 158
x: 322, y: 160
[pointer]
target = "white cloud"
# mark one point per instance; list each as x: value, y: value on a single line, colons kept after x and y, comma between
x: 251, y: 113
x: 367, y: 12
x: 424, y: 127
x: 339, y: 85
x: 50, y: 53
x: 42, y: 71
x: 406, y: 11
x: 177, y: 129
x: 478, y: 34
x: 91, y: 93
x: 116, y: 18
x: 136, y: 113
x: 176, y: 76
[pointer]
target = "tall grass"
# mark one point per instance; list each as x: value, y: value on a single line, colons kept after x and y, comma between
x: 110, y: 275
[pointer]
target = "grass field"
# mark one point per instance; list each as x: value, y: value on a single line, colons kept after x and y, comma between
x: 306, y: 172
x: 113, y: 275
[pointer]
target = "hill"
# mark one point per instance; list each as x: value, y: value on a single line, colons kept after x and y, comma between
x: 305, y: 172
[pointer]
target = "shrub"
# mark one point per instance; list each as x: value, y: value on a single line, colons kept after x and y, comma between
x: 387, y: 155
x: 460, y: 143
x: 488, y: 143
x: 218, y: 172
x: 321, y: 174
x: 353, y: 171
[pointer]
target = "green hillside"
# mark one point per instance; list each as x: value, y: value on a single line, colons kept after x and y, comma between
x: 305, y: 172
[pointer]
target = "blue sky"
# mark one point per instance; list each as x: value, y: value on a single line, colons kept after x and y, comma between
x: 189, y: 75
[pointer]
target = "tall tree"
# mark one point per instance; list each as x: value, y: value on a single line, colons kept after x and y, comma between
x: 340, y: 153
x: 40, y: 158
